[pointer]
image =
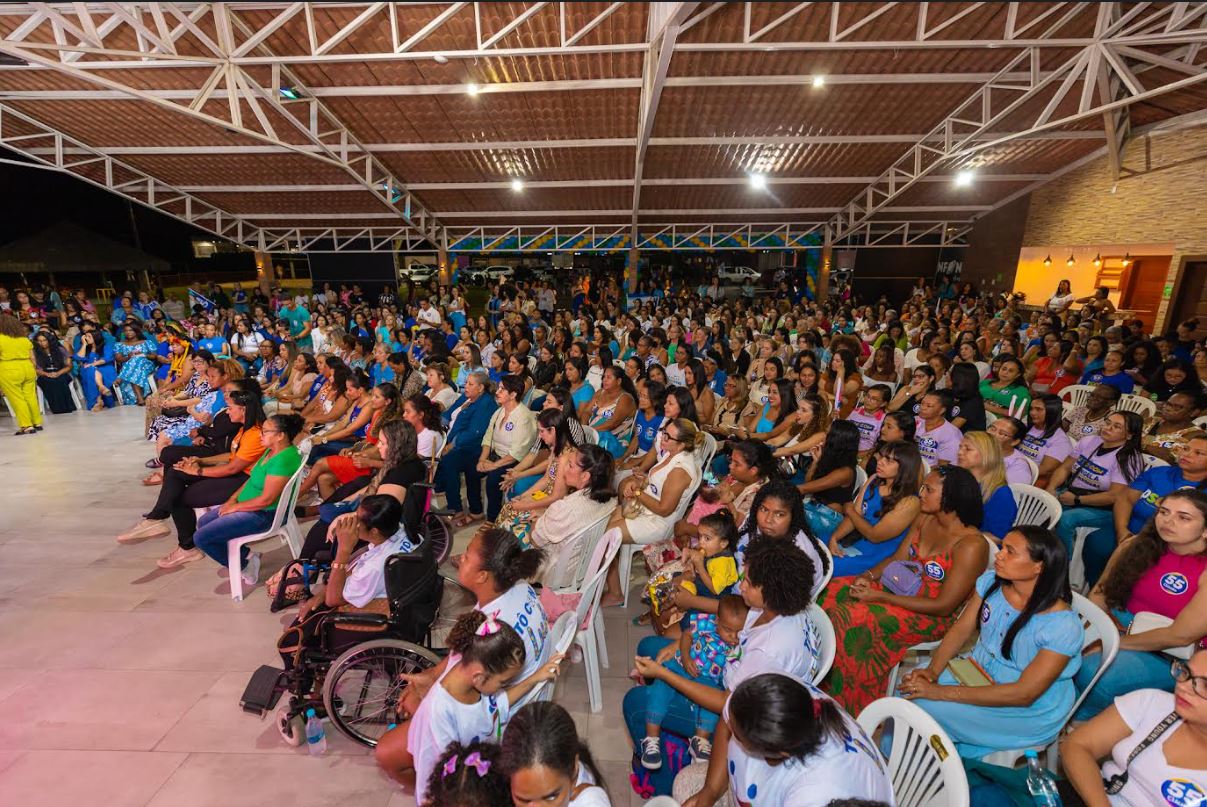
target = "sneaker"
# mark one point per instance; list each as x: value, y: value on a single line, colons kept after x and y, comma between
x: 251, y: 570
x: 701, y: 749
x: 179, y: 557
x: 147, y: 528
x: 651, y: 753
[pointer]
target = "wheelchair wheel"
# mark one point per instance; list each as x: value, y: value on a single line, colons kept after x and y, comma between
x: 439, y: 535
x: 292, y: 728
x: 362, y: 691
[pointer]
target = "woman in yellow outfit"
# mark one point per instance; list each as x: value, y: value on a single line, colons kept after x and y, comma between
x: 18, y: 381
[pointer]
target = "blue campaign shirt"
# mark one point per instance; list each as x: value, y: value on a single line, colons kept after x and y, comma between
x: 380, y: 373
x: 717, y: 384
x: 1000, y: 512
x: 647, y: 431
x: 1122, y: 381
x: 1153, y: 484
x: 214, y: 344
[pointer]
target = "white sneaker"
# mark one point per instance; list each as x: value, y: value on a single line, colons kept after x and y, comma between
x: 147, y: 528
x: 179, y: 557
x: 251, y: 572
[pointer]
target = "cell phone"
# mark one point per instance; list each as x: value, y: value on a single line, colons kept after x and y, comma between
x: 969, y: 673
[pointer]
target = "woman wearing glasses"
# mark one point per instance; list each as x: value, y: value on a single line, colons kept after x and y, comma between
x: 1161, y: 573
x: 1154, y: 742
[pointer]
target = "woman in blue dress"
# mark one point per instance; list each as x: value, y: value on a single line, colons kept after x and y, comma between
x: 1029, y: 646
x: 876, y: 523
x: 135, y: 352
x: 94, y: 358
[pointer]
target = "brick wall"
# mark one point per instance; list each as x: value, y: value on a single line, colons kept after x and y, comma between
x: 1160, y: 202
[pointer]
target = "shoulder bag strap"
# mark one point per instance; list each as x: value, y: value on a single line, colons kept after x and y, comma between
x: 1116, y: 783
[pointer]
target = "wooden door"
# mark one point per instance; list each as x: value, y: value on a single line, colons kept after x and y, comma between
x: 1191, y: 298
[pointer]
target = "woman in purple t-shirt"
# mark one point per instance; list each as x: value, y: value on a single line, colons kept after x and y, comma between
x: 937, y: 438
x: 1090, y: 478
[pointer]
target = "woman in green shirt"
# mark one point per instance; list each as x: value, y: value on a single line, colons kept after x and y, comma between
x: 252, y: 507
x: 1008, y: 391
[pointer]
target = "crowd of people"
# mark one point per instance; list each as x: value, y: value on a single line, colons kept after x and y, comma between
x: 769, y: 455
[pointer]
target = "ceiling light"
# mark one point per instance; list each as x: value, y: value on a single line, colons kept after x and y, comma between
x: 964, y: 179
x: 290, y: 93
x: 1097, y: 260
x: 758, y: 182
x: 517, y: 185
x: 1127, y: 259
x: 1047, y: 260
x: 472, y: 89
x: 819, y: 82
x: 439, y: 59
x: 1071, y: 260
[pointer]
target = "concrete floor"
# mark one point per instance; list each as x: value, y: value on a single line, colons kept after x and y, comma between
x: 119, y: 682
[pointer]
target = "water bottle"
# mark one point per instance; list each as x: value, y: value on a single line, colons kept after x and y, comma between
x: 316, y: 738
x: 1040, y: 783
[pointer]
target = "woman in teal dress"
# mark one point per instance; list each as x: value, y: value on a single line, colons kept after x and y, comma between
x: 94, y: 360
x: 134, y: 353
x: 1029, y: 645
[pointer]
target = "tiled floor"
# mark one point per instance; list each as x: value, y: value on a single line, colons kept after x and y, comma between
x: 119, y: 682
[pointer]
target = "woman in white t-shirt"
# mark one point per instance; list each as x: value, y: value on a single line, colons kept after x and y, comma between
x: 789, y: 745
x: 546, y: 761
x: 1143, y: 770
x: 1059, y: 302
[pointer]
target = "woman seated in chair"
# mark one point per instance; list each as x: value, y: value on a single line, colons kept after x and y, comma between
x: 252, y: 508
x: 910, y: 596
x: 751, y: 465
x: 559, y: 528
x: 1162, y: 573
x: 677, y: 403
x: 873, y: 527
x: 1147, y: 758
x: 1167, y: 435
x: 1089, y: 418
x: 330, y: 402
x: 177, y: 403
x: 184, y: 432
x: 651, y: 504
x: 94, y: 357
x: 1046, y: 443
x: 291, y: 392
x: 829, y: 482
x: 1028, y: 644
x: 1009, y: 432
x: 612, y: 410
x: 520, y: 512
x: 381, y: 406
x: 980, y: 453
x: 651, y: 396
x: 197, y: 477
x: 355, y: 582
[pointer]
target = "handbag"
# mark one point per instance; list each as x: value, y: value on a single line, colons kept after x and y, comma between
x: 1147, y: 620
x: 903, y: 577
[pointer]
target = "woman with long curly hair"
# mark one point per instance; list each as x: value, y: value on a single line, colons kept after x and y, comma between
x: 1160, y: 571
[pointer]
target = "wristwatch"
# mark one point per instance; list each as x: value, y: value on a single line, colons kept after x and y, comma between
x: 1076, y: 501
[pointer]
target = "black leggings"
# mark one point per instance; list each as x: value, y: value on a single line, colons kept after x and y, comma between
x: 182, y: 492
x: 174, y: 454
x: 316, y: 538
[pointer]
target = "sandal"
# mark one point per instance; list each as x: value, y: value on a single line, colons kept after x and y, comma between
x: 644, y: 619
x: 465, y: 519
x: 151, y: 480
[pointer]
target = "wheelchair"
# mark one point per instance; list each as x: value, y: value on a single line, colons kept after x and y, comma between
x: 356, y: 683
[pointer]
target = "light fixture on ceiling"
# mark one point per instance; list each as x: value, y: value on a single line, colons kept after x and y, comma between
x: 440, y: 59
x: 964, y: 179
x: 1070, y: 261
x: 818, y: 82
x: 758, y: 182
x: 1047, y: 260
x: 517, y: 185
x: 290, y: 93
x: 1097, y: 260
x: 1127, y: 259
x: 472, y: 89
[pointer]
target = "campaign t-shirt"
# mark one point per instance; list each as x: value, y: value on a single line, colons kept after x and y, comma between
x: 520, y: 607
x: 1122, y: 381
x: 806, y: 544
x: 1151, y: 780
x: 940, y: 444
x: 845, y: 767
x: 1036, y: 446
x: 1154, y: 484
x: 1093, y: 471
x: 972, y: 409
x: 646, y: 430
x: 787, y: 645
x: 869, y: 426
x: 1017, y: 469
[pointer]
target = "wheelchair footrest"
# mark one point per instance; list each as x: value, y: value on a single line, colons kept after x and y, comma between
x: 263, y: 690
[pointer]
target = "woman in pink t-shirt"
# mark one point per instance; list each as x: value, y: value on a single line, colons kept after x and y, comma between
x: 938, y: 438
x: 1162, y: 570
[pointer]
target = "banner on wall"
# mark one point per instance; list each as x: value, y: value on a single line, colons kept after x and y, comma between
x: 949, y: 270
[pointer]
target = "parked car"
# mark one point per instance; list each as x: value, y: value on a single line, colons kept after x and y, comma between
x: 489, y: 274
x: 417, y: 273
x: 737, y: 274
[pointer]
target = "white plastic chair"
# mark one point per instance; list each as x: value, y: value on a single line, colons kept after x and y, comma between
x: 561, y: 636
x: 569, y: 565
x: 627, y: 552
x: 990, y: 417
x: 829, y: 574
x: 588, y: 616
x: 1099, y: 627
x: 1201, y: 422
x: 591, y: 435
x: 922, y: 760
x: 1076, y: 394
x: 1145, y: 407
x: 827, y: 642
x: 1034, y: 468
x: 861, y: 479
x: 706, y: 452
x: 1035, y: 506
x: 284, y: 526
x: 1154, y: 462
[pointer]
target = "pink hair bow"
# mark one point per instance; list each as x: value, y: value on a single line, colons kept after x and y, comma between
x: 489, y: 627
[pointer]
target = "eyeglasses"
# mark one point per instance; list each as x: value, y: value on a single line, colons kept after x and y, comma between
x: 271, y: 431
x: 666, y: 435
x: 1180, y: 671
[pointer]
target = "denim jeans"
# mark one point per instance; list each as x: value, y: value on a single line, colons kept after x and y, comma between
x: 328, y: 450
x: 215, y: 531
x: 680, y: 716
x: 658, y: 698
x: 1102, y: 522
x: 1131, y: 670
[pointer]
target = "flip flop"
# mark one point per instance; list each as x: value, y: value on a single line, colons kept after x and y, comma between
x: 153, y: 479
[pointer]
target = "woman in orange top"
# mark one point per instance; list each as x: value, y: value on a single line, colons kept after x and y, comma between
x: 203, y: 482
